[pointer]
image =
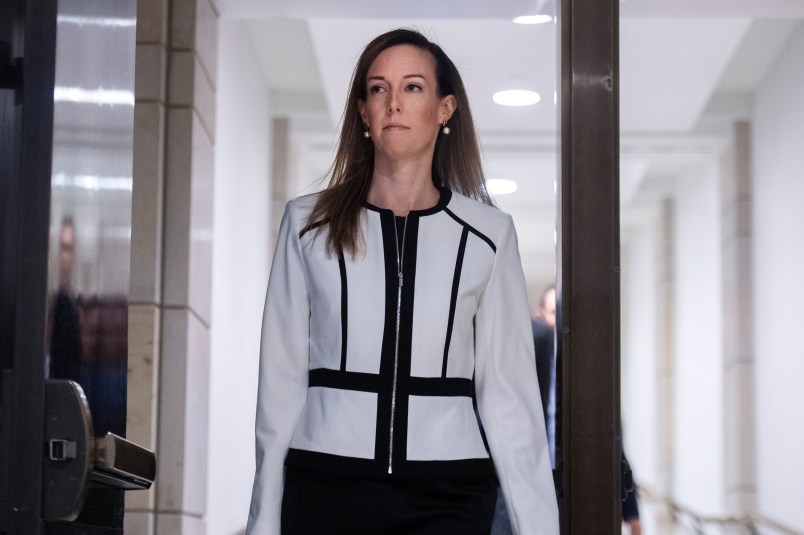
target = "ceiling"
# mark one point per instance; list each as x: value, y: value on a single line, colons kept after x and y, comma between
x: 688, y: 68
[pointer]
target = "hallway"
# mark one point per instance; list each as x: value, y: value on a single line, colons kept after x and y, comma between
x: 710, y: 122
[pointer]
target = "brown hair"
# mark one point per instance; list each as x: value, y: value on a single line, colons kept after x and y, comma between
x: 456, y: 160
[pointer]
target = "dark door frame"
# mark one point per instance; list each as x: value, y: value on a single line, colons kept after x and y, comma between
x: 588, y: 284
x: 26, y: 193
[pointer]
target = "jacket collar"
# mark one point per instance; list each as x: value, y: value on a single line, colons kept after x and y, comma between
x: 443, y: 201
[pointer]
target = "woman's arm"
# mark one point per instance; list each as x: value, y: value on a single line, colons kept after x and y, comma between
x: 508, y: 394
x: 283, y: 373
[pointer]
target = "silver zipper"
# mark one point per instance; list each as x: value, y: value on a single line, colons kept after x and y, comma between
x: 400, y: 257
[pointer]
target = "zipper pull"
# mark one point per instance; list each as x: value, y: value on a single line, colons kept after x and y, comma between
x: 400, y: 279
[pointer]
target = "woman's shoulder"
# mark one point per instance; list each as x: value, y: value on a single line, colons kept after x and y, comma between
x: 485, y: 218
x: 303, y: 203
x: 297, y: 213
x: 299, y: 208
x: 463, y: 203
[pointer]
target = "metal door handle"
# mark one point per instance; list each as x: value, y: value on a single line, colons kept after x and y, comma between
x: 74, y: 459
x: 121, y: 463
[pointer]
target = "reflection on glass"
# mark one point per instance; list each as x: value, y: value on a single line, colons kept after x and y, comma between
x: 91, y: 219
x: 91, y: 204
x: 65, y: 337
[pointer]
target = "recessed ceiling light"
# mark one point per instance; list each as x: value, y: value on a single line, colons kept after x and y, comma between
x: 516, y: 97
x: 98, y: 96
x: 501, y: 186
x: 533, y: 19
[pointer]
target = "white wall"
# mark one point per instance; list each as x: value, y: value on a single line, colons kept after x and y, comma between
x: 639, y: 349
x: 778, y: 220
x: 698, y: 391
x: 240, y: 274
x: 639, y: 355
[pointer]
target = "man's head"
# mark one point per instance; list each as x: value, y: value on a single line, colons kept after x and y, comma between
x: 547, y: 306
x: 66, y: 252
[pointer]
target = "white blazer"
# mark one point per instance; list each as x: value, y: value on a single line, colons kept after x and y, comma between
x: 374, y: 365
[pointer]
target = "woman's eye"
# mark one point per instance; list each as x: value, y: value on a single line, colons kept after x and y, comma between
x: 414, y: 87
x: 376, y: 89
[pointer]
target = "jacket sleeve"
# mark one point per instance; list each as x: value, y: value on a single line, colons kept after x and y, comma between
x: 508, y: 394
x: 283, y: 373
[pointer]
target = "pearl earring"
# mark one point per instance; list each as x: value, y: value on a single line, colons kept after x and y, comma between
x: 366, y: 133
x: 445, y: 129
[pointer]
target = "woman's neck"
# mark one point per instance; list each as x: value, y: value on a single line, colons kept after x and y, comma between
x: 403, y: 188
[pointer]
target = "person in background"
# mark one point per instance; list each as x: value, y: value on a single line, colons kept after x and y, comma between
x: 65, y: 355
x: 396, y: 304
x: 630, y: 505
x: 544, y: 325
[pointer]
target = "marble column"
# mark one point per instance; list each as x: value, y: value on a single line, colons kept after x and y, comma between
x: 738, y: 321
x: 665, y: 369
x: 171, y: 260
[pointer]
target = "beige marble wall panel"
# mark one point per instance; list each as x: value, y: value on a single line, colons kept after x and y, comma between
x: 201, y: 221
x: 735, y: 220
x: 146, y: 204
x: 152, y: 21
x: 172, y: 412
x: 738, y: 339
x: 204, y: 98
x: 196, y: 423
x: 180, y: 525
x: 144, y: 324
x: 178, y: 198
x: 194, y: 26
x: 738, y: 325
x: 190, y: 86
x: 138, y: 523
x: 742, y: 160
x: 150, y: 68
x: 188, y: 214
x: 184, y: 389
x: 182, y: 24
x: 740, y: 448
x: 665, y: 369
x: 206, y: 38
x: 181, y: 77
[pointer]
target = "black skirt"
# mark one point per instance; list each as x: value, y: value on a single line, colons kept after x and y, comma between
x: 315, y: 503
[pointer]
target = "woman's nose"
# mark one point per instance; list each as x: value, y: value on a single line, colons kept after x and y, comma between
x: 393, y: 103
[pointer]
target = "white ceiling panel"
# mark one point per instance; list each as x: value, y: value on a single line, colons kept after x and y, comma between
x: 670, y: 67
x: 374, y: 9
x: 508, y: 56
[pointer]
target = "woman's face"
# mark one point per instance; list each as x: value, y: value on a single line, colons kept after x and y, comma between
x: 402, y: 108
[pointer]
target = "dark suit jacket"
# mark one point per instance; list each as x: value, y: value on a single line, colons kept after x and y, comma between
x: 543, y: 340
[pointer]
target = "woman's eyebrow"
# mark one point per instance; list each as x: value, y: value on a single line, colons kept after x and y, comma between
x: 380, y: 77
